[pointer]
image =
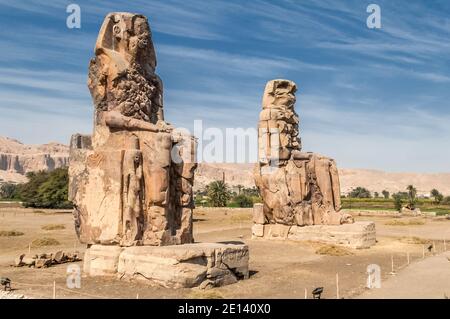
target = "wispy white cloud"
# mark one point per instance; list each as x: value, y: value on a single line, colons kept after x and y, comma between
x: 381, y: 92
x: 251, y: 65
x: 65, y: 83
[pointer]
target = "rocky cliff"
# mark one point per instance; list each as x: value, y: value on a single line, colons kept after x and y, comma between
x: 17, y: 159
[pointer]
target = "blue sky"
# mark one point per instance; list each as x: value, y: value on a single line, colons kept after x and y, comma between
x: 369, y: 98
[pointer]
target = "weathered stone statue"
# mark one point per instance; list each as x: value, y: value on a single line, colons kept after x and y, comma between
x: 131, y: 148
x: 131, y: 183
x: 298, y: 189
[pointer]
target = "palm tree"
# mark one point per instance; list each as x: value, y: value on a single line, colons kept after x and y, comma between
x: 218, y: 193
x: 385, y: 194
x: 412, y: 192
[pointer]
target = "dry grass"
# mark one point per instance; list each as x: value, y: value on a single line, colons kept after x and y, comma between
x: 38, y: 212
x: 204, y: 294
x: 332, y: 250
x: 411, y: 222
x: 10, y: 233
x: 45, y: 241
x: 415, y: 240
x: 53, y: 227
x: 242, y: 217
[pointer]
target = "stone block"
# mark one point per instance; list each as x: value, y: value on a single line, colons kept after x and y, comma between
x: 276, y: 231
x: 101, y: 260
x: 179, y: 266
x: 258, y: 214
x: 258, y: 230
x: 357, y: 235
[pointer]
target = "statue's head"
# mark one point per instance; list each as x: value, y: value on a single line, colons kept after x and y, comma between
x: 128, y: 36
x: 279, y: 93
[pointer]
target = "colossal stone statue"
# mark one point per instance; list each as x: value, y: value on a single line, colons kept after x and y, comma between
x: 125, y: 184
x: 297, y: 188
x: 131, y: 183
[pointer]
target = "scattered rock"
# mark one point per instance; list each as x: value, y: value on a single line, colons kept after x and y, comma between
x: 43, y: 262
x: 46, y: 260
x: 18, y: 261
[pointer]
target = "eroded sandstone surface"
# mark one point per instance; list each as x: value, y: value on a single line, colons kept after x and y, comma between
x: 297, y: 188
x: 17, y: 159
x: 131, y: 182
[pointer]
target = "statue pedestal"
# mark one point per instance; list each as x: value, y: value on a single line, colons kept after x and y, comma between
x: 357, y: 235
x: 201, y: 265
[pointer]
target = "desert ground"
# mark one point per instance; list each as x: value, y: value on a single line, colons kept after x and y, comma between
x: 279, y: 269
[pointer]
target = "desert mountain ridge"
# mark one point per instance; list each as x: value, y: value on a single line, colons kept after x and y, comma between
x: 16, y: 159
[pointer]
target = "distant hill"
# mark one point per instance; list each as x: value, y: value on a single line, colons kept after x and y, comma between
x: 16, y: 159
x: 373, y: 180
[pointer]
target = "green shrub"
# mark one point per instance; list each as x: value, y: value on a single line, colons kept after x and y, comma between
x: 446, y: 200
x: 46, y: 189
x: 9, y: 191
x: 243, y: 201
x: 398, y: 202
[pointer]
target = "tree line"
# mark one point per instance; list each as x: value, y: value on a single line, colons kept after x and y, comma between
x: 49, y: 189
x: 44, y: 189
x: 220, y: 194
x: 407, y: 198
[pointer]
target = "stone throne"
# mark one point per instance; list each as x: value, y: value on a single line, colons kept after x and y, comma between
x: 131, y: 182
x: 298, y: 189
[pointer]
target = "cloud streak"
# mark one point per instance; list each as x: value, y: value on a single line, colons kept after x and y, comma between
x: 381, y: 92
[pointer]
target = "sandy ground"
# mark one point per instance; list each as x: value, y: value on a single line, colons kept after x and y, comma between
x: 278, y: 269
x: 428, y: 278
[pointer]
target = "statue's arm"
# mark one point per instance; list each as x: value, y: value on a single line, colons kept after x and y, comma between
x: 297, y: 155
x: 114, y: 119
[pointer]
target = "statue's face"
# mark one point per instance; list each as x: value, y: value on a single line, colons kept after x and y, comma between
x: 280, y: 93
x: 285, y: 96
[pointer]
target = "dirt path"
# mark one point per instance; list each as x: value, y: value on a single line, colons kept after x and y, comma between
x: 425, y: 279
